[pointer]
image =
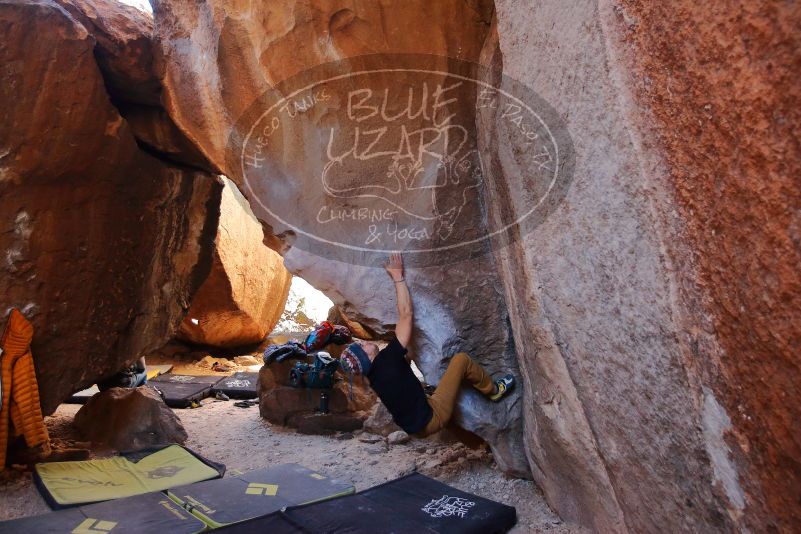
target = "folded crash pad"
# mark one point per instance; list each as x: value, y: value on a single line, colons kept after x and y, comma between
x: 256, y: 493
x: 83, y: 396
x: 65, y: 484
x: 147, y: 513
x: 180, y: 391
x: 414, y: 503
x: 238, y: 386
x: 155, y: 370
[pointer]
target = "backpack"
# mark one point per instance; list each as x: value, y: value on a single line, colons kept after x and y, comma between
x: 318, y: 338
x: 316, y: 375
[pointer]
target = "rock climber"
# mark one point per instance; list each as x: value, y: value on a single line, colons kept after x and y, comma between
x: 391, y: 377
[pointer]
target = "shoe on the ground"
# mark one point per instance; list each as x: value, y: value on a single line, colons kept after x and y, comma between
x: 503, y: 386
x: 221, y: 396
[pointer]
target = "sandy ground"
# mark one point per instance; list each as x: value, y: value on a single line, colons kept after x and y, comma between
x: 242, y: 440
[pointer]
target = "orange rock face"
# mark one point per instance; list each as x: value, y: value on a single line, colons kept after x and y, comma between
x: 103, y: 244
x: 722, y: 87
x: 245, y: 293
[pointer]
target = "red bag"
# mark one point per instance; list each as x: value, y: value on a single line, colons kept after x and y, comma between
x: 318, y: 338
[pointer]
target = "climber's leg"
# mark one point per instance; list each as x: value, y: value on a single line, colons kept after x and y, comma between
x: 442, y: 402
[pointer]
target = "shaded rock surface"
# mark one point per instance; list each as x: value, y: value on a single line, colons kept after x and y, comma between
x: 244, y: 295
x: 103, y: 244
x: 126, y: 419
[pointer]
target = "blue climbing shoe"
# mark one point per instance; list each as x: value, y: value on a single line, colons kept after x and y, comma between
x: 502, y: 387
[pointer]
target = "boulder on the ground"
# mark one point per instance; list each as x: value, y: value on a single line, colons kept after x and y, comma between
x: 380, y: 421
x: 348, y: 404
x: 280, y: 403
x: 354, y: 396
x: 399, y: 437
x: 129, y: 419
x: 244, y: 295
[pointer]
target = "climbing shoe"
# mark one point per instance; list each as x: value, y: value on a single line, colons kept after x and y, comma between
x: 503, y: 386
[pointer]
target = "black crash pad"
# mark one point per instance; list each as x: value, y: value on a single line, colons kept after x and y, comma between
x: 151, y: 512
x: 180, y: 391
x: 414, y: 503
x: 238, y: 386
x: 187, y: 379
x: 256, y: 493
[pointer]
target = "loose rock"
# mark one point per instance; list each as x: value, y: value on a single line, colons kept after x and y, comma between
x: 129, y: 419
x: 399, y: 437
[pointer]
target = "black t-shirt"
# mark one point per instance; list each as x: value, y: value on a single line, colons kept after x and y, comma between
x: 393, y: 380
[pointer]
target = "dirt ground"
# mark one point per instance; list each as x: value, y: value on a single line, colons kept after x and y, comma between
x: 242, y: 440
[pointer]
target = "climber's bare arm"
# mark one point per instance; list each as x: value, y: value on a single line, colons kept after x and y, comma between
x: 403, y: 327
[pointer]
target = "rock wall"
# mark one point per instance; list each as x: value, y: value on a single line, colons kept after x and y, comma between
x: 716, y: 91
x: 653, y: 316
x: 245, y: 293
x: 216, y: 58
x: 103, y: 244
x: 660, y: 303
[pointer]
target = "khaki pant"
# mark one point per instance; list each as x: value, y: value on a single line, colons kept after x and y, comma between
x: 462, y: 367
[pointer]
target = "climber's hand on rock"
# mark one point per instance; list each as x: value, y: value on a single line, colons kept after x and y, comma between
x: 394, y: 266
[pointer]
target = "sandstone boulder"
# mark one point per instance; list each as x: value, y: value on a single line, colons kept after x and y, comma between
x: 104, y: 244
x: 653, y: 316
x: 380, y: 421
x: 244, y: 295
x: 459, y: 307
x: 298, y: 408
x: 399, y: 437
x: 640, y: 309
x: 126, y: 419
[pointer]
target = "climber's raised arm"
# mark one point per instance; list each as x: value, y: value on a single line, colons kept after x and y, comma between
x: 403, y: 327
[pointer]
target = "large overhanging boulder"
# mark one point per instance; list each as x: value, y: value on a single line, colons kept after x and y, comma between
x: 217, y: 59
x: 103, y: 244
x: 245, y: 293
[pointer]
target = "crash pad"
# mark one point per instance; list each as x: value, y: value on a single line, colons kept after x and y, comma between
x: 414, y: 503
x: 83, y: 396
x: 155, y: 370
x: 147, y: 513
x: 238, y: 386
x: 180, y: 391
x: 188, y: 379
x: 256, y: 493
x: 65, y: 484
